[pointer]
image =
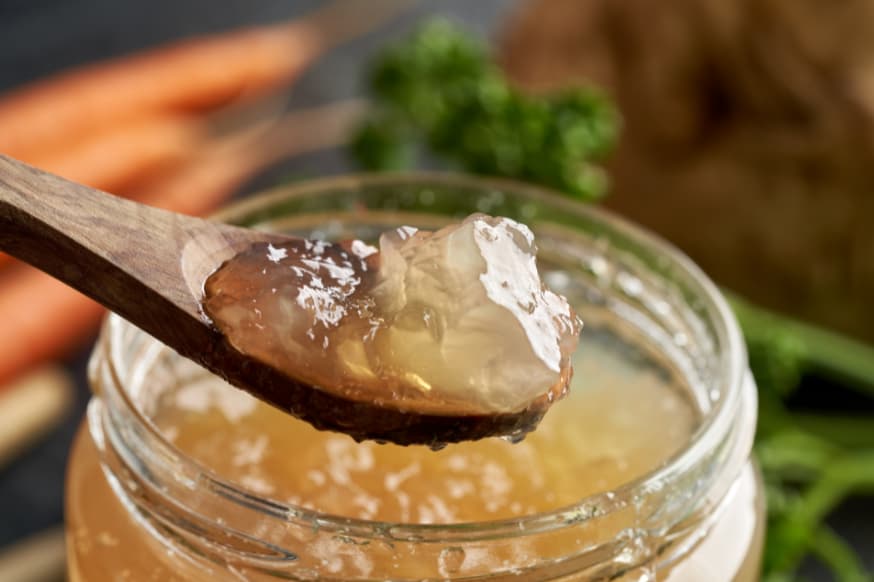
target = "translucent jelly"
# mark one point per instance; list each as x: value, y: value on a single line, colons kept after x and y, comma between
x: 450, y: 322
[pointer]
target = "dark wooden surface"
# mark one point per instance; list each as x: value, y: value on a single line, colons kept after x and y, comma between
x: 38, y: 37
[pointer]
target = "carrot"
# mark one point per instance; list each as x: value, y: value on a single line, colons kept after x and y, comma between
x: 118, y: 156
x: 145, y: 155
x: 222, y: 166
x: 198, y: 73
x: 195, y: 74
x: 41, y: 318
x: 113, y: 158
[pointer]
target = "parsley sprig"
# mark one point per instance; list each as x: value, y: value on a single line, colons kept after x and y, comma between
x: 441, y: 93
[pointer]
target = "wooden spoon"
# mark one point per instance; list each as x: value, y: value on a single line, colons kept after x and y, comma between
x: 150, y: 265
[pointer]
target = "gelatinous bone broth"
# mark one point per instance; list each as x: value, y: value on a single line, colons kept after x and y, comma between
x: 452, y: 322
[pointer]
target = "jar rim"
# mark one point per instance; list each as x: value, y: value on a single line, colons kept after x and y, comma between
x: 713, y: 429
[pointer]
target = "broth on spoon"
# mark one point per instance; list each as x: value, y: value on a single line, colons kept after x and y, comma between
x: 438, y: 338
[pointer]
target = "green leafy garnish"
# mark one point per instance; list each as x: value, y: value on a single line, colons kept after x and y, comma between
x: 441, y: 94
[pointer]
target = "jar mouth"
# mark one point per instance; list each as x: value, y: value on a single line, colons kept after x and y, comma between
x: 706, y: 445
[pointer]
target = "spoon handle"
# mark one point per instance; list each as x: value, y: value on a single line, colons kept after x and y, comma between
x: 70, y: 230
x: 144, y: 263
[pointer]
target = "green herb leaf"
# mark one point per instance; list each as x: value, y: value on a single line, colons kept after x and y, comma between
x: 440, y: 90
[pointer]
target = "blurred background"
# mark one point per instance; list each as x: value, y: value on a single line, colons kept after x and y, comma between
x: 741, y: 130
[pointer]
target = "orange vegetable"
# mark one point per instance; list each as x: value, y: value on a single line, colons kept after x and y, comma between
x: 41, y: 318
x: 110, y: 124
x: 195, y: 74
x: 199, y: 73
x: 44, y: 319
x: 118, y: 156
x: 220, y: 167
x: 113, y: 158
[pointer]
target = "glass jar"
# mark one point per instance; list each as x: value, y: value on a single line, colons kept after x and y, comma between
x: 140, y: 507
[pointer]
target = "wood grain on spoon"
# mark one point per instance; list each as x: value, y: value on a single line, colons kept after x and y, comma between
x: 149, y: 266
x: 144, y: 263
